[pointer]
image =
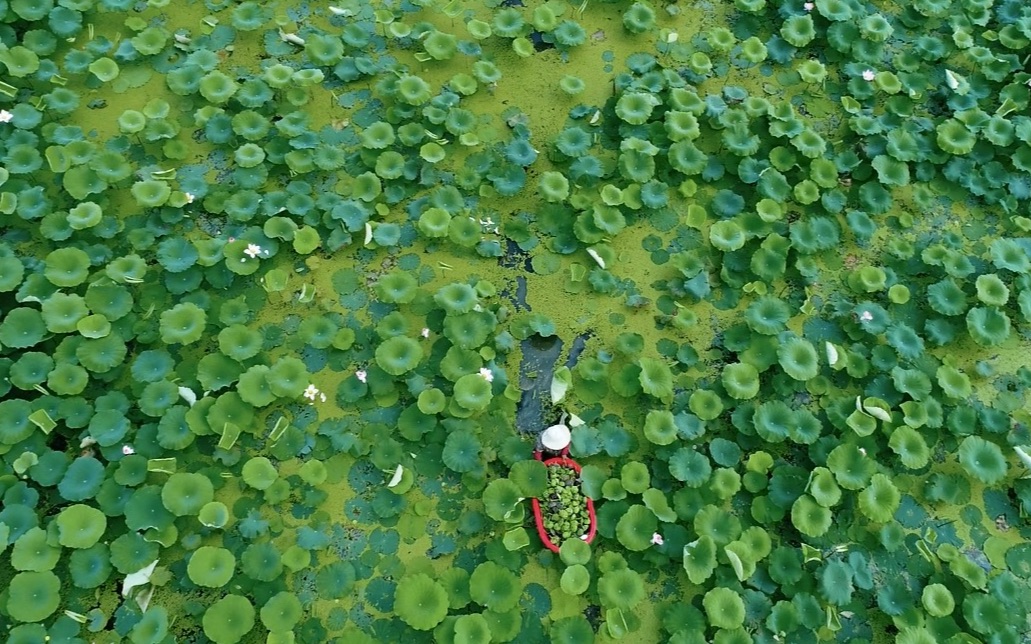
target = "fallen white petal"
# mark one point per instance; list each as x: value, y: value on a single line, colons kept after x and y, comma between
x: 1024, y: 458
x: 368, y: 233
x: 138, y: 578
x: 594, y: 254
x: 832, y: 353
x: 396, y: 478
x: 187, y: 394
x: 877, y: 412
x: 575, y: 421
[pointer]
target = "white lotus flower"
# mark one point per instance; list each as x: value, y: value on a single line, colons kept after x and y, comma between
x: 252, y: 251
x: 311, y: 393
x: 5, y: 116
x: 127, y: 450
x: 869, y: 75
x: 361, y: 375
x: 487, y: 374
x: 190, y: 197
x: 425, y: 332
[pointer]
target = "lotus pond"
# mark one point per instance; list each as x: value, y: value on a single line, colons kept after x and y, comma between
x: 288, y: 289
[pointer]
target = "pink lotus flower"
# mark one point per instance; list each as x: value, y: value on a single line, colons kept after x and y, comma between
x: 361, y: 375
x: 127, y: 450
x: 866, y: 316
x: 487, y: 374
x: 869, y: 75
x: 657, y: 539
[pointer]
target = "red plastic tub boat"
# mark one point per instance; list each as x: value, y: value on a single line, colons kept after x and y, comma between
x: 562, y: 460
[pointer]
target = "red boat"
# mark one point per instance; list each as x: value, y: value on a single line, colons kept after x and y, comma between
x: 562, y: 460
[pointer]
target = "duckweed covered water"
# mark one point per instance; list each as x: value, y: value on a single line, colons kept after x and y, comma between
x: 288, y: 289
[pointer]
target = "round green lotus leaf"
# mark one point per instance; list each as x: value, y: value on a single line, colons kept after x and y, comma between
x: 82, y: 479
x: 494, y: 586
x: 22, y: 327
x: 262, y: 561
x: 574, y: 552
x: 214, y: 514
x: 288, y: 377
x: 33, y: 596
x: 635, y: 477
x: 11, y: 272
x: 32, y: 552
x: 144, y: 510
x: 530, y: 476
x: 705, y: 404
x: 741, y: 380
x: 259, y: 473
x: 102, y: 354
x: 91, y: 566
x: 151, y: 193
x: 211, y: 567
x: 456, y: 298
x: 398, y: 355
x: 182, y: 324
x: 911, y: 447
x: 809, y: 517
x: 229, y: 619
x: 571, y: 630
x: 184, y: 494
x: 621, y: 588
x: 824, y: 488
x: 690, y: 467
x: 656, y: 378
x: 880, y: 499
x: 798, y: 358
x: 473, y: 392
x: 636, y: 527
x: 66, y: 267
x: 240, y: 342
x: 660, y: 427
x: 30, y: 369
x: 254, y: 387
x: 152, y: 628
x: 413, y: 90
x: 768, y: 315
x: 983, y: 460
x: 954, y: 137
x: 988, y: 326
x: 80, y: 526
x: 420, y: 601
x: 281, y: 612
x: 724, y: 608
x: 937, y: 600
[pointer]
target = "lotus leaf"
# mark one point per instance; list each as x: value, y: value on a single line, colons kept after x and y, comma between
x: 809, y: 517
x: 473, y: 392
x: 880, y: 499
x: 262, y: 561
x: 185, y: 494
x: 798, y: 358
x: 937, y: 600
x: 398, y: 355
x: 183, y: 324
x: 32, y: 552
x: 531, y: 476
x: 741, y: 380
x: 80, y: 526
x: 281, y: 612
x: 988, y: 326
x: 991, y: 290
x: 440, y: 45
x: 982, y: 459
x: 636, y: 527
x: 82, y: 479
x: 214, y: 514
x: 144, y: 510
x: 259, y: 473
x: 33, y: 596
x: 500, y: 499
x: 91, y: 566
x: 239, y: 342
x: 722, y: 526
x: 421, y: 602
x: 288, y: 377
x: 211, y: 567
x: 229, y: 619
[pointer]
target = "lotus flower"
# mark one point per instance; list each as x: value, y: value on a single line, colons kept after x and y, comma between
x: 127, y: 450
x: 808, y: 6
x: 425, y: 332
x: 190, y: 197
x: 868, y: 75
x: 252, y: 251
x: 487, y: 374
x: 657, y: 539
x: 361, y: 375
x: 311, y: 393
x: 5, y: 116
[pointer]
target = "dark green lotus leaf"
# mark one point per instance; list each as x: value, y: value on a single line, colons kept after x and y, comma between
x: 620, y: 588
x: 473, y: 392
x: 636, y: 527
x: 90, y: 567
x: 494, y: 586
x: 82, y: 479
x: 145, y: 509
x: 836, y: 582
x: 22, y: 327
x: 131, y: 552
x: 983, y: 460
x: 152, y: 628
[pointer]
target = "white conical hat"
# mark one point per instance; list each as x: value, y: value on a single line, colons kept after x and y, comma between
x: 556, y: 437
